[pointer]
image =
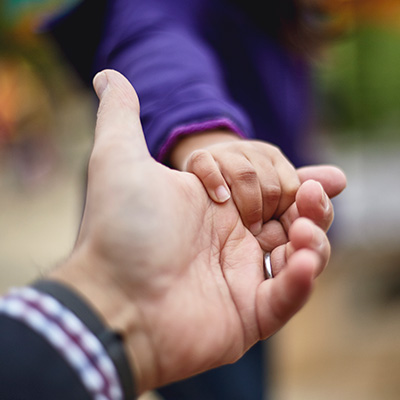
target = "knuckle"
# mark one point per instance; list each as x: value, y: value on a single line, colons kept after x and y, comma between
x: 246, y: 175
x: 273, y: 149
x: 202, y: 164
x: 291, y: 188
x: 276, y: 150
x: 198, y: 157
x: 273, y: 193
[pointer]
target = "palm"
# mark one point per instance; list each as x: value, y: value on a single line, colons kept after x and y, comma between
x: 216, y: 279
x: 178, y: 251
x: 192, y: 257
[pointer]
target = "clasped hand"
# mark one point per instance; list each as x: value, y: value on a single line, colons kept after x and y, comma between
x: 180, y: 275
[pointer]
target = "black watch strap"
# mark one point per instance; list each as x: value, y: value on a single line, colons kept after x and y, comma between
x: 111, y: 340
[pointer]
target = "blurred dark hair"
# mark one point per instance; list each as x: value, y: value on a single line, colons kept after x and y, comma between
x: 302, y: 25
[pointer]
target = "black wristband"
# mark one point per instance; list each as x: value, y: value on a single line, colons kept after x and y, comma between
x: 112, y: 341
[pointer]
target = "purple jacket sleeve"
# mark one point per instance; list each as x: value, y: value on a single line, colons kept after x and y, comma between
x: 157, y: 45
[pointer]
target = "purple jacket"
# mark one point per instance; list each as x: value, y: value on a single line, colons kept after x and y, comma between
x: 201, y: 64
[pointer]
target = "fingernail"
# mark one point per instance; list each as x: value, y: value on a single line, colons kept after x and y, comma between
x: 256, y: 228
x: 324, y: 199
x: 100, y: 83
x: 222, y: 194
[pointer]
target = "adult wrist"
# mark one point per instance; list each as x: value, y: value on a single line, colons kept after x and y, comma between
x: 89, y: 280
x: 112, y: 341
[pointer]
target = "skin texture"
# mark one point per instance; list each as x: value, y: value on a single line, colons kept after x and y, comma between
x: 177, y: 273
x: 261, y: 181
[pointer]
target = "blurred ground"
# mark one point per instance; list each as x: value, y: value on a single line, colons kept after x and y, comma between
x: 345, y: 344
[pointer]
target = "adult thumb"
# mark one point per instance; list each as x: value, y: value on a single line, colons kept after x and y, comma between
x: 118, y: 118
x: 332, y: 178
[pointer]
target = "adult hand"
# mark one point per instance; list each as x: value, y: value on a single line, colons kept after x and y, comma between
x: 178, y: 274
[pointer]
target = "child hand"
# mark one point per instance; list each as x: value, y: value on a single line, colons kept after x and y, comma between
x: 258, y: 177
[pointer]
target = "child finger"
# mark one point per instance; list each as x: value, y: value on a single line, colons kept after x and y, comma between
x: 289, y: 184
x: 273, y: 235
x: 243, y: 181
x: 270, y: 187
x: 202, y: 164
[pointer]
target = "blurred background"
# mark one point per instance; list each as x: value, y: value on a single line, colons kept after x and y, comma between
x: 345, y: 344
